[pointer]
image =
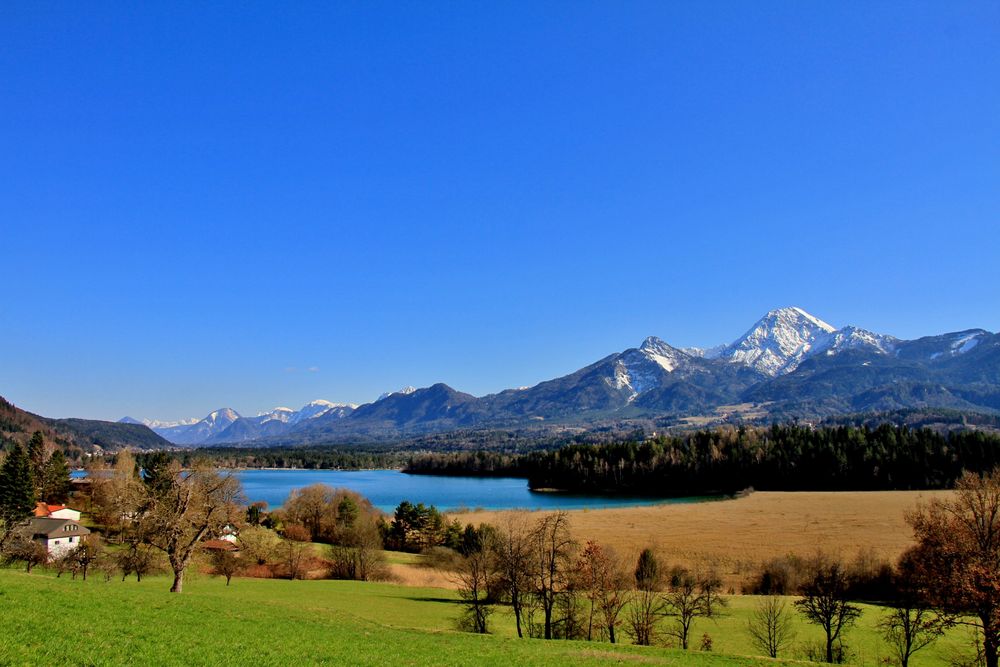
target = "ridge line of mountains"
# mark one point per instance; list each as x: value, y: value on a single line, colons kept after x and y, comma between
x: 789, y: 364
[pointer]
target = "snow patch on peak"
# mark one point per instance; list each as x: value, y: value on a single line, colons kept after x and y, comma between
x: 283, y: 415
x: 221, y: 416
x: 660, y: 353
x: 705, y: 352
x: 155, y: 423
x: 405, y: 391
x: 966, y: 341
x: 320, y: 408
x: 852, y: 338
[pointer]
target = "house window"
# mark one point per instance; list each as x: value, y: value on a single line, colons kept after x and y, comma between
x: 71, y: 540
x: 55, y: 541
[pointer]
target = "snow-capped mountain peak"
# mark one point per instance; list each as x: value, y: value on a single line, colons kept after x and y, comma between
x: 662, y: 354
x: 405, y: 391
x: 283, y: 415
x: 779, y: 341
x: 319, y: 407
x: 220, y: 417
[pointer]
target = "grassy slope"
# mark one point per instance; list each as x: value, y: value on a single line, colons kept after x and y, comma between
x: 280, y: 622
x: 44, y: 620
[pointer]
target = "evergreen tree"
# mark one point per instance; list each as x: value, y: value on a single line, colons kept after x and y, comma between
x: 157, y: 473
x: 17, y: 491
x: 36, y: 460
x: 56, y: 478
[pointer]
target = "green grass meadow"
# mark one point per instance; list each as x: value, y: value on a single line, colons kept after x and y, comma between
x: 46, y: 620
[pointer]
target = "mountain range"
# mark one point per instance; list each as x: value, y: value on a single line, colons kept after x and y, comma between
x: 789, y: 364
x: 225, y: 425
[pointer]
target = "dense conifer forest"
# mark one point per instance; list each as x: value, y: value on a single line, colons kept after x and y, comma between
x: 730, y: 459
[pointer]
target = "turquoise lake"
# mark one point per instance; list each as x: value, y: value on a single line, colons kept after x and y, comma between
x: 387, y: 488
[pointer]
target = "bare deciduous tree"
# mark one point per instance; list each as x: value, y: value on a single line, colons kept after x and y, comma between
x: 513, y: 549
x: 647, y: 605
x: 685, y: 600
x: 294, y: 555
x: 87, y: 555
x: 195, y: 504
x: 476, y: 577
x: 825, y: 602
x: 117, y: 494
x: 711, y: 586
x: 552, y: 554
x: 604, y: 582
x: 137, y: 558
x: 957, y: 556
x: 770, y: 625
x: 20, y: 547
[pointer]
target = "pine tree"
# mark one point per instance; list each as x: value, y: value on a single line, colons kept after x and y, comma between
x: 56, y: 481
x: 17, y: 491
x: 36, y: 462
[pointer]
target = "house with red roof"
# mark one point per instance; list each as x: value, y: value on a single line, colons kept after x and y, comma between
x: 44, y: 510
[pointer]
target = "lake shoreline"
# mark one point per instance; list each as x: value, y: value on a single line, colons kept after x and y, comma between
x: 386, y: 488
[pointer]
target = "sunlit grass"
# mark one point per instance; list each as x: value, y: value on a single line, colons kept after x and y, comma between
x: 45, y: 620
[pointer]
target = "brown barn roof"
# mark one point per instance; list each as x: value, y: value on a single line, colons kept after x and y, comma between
x: 219, y: 545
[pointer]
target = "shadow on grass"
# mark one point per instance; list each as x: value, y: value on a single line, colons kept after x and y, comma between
x: 422, y: 598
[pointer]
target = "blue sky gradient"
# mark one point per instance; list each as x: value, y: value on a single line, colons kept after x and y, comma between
x: 199, y: 205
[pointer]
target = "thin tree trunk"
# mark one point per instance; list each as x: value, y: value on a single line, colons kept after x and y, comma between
x: 515, y: 602
x: 178, y: 581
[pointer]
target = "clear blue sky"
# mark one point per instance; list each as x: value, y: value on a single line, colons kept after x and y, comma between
x: 200, y: 204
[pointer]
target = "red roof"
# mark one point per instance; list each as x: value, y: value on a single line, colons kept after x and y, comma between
x: 219, y: 545
x: 42, y: 509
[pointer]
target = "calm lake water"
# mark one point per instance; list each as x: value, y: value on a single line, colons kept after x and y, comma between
x: 387, y: 488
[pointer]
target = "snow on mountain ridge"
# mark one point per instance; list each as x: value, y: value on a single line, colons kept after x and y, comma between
x: 778, y: 342
x: 705, y: 352
x: 660, y: 353
x: 318, y: 408
x: 851, y: 337
x: 405, y: 391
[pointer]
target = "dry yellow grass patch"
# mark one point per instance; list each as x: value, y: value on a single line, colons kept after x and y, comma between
x: 735, y: 535
x: 409, y: 574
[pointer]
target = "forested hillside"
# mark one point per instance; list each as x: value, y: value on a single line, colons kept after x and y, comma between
x: 74, y: 436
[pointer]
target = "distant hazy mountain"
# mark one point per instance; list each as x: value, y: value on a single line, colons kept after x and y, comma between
x: 789, y: 363
x: 228, y: 426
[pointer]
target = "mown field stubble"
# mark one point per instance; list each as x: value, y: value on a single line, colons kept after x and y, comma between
x: 735, y: 535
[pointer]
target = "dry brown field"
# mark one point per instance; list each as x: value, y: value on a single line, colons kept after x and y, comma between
x: 733, y: 536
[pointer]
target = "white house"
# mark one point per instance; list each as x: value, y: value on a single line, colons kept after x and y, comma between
x: 56, y: 512
x: 58, y: 536
x: 229, y: 533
